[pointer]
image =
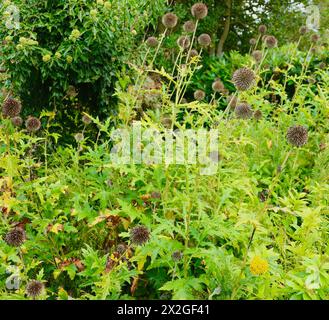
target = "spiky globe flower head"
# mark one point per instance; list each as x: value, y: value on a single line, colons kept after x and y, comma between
x: 34, y: 288
x: 262, y: 29
x: 257, y: 55
x: 271, y: 42
x: 199, y: 95
x: 11, y: 108
x: 32, y: 124
x: 15, y: 237
x: 152, y: 42
x: 218, y: 86
x: 232, y: 101
x: 17, y: 121
x: 303, y: 30
x: 189, y: 26
x: 177, y: 256
x: 79, y: 137
x: 139, y: 235
x: 322, y: 65
x: 297, y: 135
x: 169, y: 20
x: 183, y: 42
x: 199, y: 10
x: 315, y: 38
x: 258, y: 266
x: 252, y: 41
x: 86, y: 119
x: 244, y: 78
x: 193, y: 53
x: 204, y: 40
x: 243, y: 111
x: 258, y: 115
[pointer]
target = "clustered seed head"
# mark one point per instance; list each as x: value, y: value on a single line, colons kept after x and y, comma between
x: 139, y: 235
x: 34, y: 288
x: 315, y: 38
x: 252, y: 41
x: 218, y: 86
x: 86, y: 119
x: 169, y: 20
x: 271, y: 42
x: 262, y: 29
x: 193, y: 53
x: 32, y: 124
x: 258, y: 115
x: 199, y: 95
x: 243, y: 111
x: 17, y: 121
x: 183, y: 42
x: 297, y: 135
x: 258, y: 266
x: 11, y: 108
x: 199, y: 10
x: 189, y: 26
x: 15, y: 237
x: 232, y: 101
x: 243, y: 79
x: 121, y: 248
x: 322, y: 65
x: 79, y: 137
x: 303, y: 30
x: 257, y: 55
x: 204, y: 40
x: 152, y: 42
x: 177, y: 256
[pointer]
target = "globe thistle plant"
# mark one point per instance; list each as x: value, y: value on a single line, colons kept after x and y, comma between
x: 17, y: 121
x: 257, y: 55
x: 258, y: 115
x: 193, y: 53
x: 177, y: 256
x: 11, y: 108
x: 199, y: 11
x: 271, y: 42
x: 169, y: 20
x: 262, y: 29
x: 15, y: 237
x: 244, y: 79
x: 252, y: 41
x: 86, y: 119
x: 315, y: 38
x: 218, y: 86
x: 139, y: 235
x: 297, y: 135
x: 33, y: 124
x: 189, y: 26
x: 204, y: 40
x: 243, y: 111
x: 199, y: 95
x: 303, y: 30
x: 152, y: 42
x: 232, y: 101
x: 34, y: 288
x: 183, y: 42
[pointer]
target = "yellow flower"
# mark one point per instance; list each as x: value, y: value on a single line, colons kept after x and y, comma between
x: 75, y: 34
x: 58, y: 55
x: 8, y: 38
x: 19, y: 47
x: 258, y: 266
x: 23, y: 40
x: 46, y: 58
x: 69, y: 59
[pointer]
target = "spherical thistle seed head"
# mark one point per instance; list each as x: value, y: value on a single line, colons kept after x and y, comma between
x: 86, y: 119
x: 243, y: 79
x: 218, y: 86
x: 33, y: 124
x: 262, y: 29
x: 177, y: 256
x: 258, y: 266
x: 243, y: 111
x: 183, y: 42
x: 139, y: 235
x: 315, y: 38
x: 79, y: 137
x: 152, y: 42
x: 189, y: 26
x: 303, y: 30
x: 15, y: 237
x: 34, y: 288
x: 297, y: 135
x: 17, y: 121
x: 271, y: 42
x: 204, y: 40
x: 322, y: 65
x: 11, y: 108
x: 199, y: 10
x: 199, y: 95
x: 169, y: 20
x: 193, y: 53
x: 252, y: 41
x: 232, y: 101
x: 258, y: 115
x: 257, y: 55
